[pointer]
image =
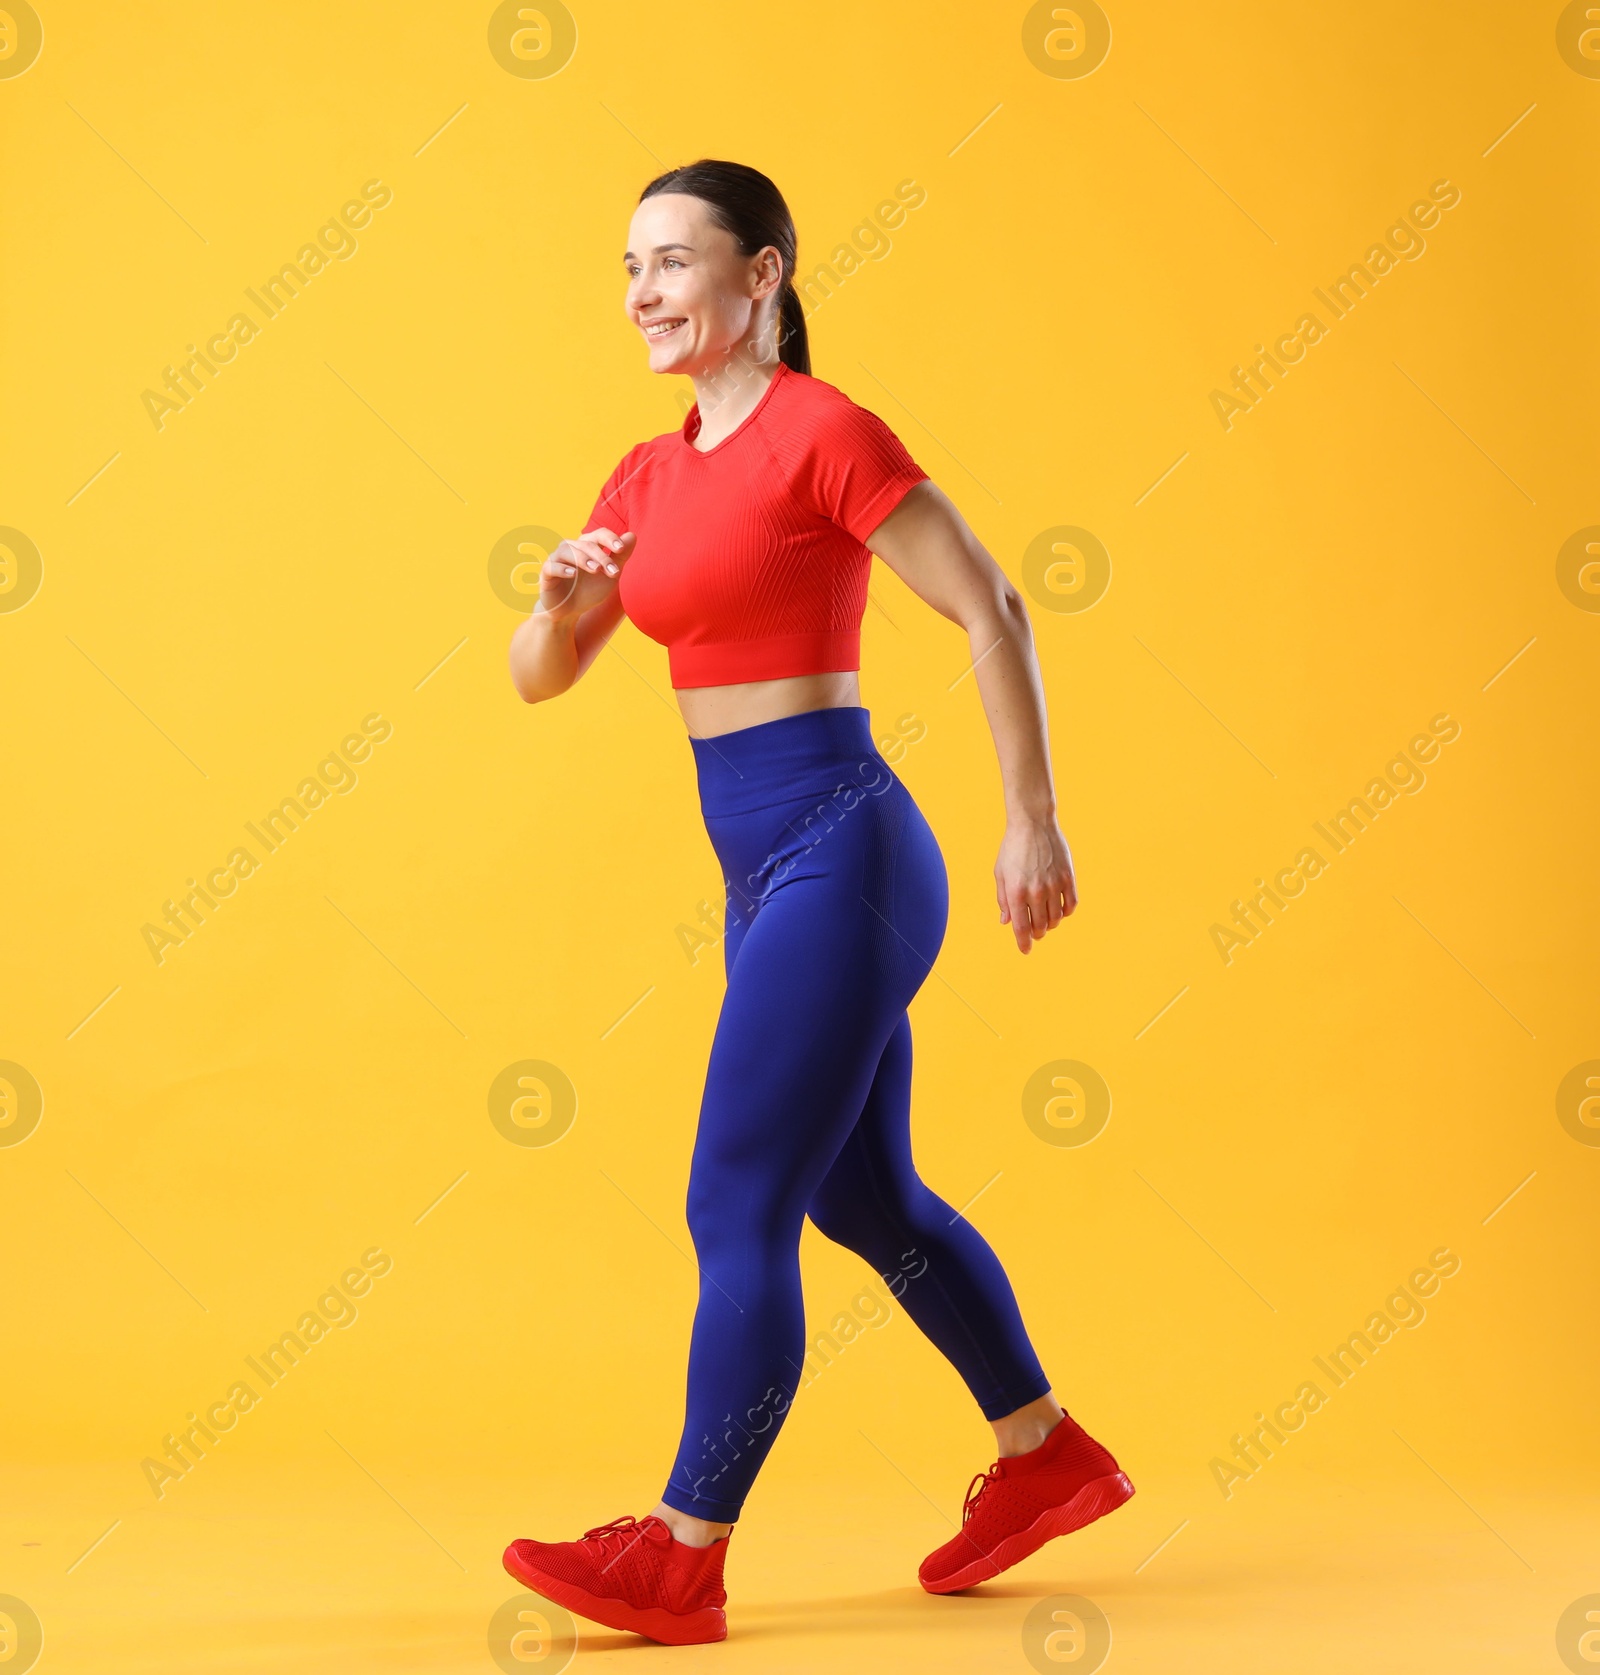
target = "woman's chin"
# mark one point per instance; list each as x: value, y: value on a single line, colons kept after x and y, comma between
x: 677, y: 365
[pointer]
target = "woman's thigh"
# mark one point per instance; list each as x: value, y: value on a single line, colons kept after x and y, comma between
x: 827, y: 958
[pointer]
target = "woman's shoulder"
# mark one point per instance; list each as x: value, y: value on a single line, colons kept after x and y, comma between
x: 815, y: 394
x: 629, y: 477
x: 639, y: 457
x: 839, y: 456
x: 820, y: 413
x: 654, y: 444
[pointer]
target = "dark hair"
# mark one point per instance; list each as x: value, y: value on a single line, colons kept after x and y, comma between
x: 744, y: 202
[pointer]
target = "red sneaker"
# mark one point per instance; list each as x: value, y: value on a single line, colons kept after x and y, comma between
x: 633, y: 1574
x: 1023, y: 1501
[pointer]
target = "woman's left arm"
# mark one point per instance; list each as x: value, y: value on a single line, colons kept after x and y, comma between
x: 928, y: 544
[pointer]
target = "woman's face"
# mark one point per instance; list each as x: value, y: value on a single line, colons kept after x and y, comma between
x: 691, y: 294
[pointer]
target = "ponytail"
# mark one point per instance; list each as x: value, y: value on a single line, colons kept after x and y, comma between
x: 744, y: 202
x: 794, y: 344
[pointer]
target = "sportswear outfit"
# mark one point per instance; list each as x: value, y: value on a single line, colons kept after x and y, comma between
x: 750, y: 563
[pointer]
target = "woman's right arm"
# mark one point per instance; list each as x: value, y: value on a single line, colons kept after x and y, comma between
x: 578, y: 610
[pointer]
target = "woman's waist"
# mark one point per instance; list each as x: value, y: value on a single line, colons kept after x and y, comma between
x: 713, y: 708
x: 793, y: 759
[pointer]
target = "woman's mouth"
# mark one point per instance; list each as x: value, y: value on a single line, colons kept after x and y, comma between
x: 657, y: 329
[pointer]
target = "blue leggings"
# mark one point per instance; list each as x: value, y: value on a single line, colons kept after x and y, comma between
x: 836, y: 907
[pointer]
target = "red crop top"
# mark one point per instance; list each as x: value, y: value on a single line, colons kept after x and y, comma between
x: 749, y: 560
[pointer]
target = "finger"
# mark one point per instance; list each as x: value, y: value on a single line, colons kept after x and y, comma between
x: 1039, y: 904
x: 621, y: 550
x: 558, y: 579
x: 614, y: 548
x: 1054, y: 911
x: 554, y: 594
x: 590, y: 551
x: 593, y: 555
x: 1021, y: 921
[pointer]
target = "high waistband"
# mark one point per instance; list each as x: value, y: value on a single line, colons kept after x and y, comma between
x: 815, y: 752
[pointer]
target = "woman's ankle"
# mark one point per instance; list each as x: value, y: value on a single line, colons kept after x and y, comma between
x: 692, y: 1532
x: 1025, y: 1429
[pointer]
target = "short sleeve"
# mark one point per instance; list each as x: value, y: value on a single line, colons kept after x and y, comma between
x: 611, y: 505
x: 859, y: 470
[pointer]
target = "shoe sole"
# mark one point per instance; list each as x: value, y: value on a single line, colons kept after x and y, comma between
x: 670, y: 1628
x: 1093, y: 1500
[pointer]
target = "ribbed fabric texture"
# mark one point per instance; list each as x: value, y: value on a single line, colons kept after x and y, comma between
x: 750, y: 560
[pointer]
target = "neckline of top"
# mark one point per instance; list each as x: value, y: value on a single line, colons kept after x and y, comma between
x: 692, y: 418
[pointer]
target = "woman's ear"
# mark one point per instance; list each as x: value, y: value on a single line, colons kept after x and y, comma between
x: 769, y: 271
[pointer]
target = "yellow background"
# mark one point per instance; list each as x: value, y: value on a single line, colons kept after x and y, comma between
x: 300, y: 1082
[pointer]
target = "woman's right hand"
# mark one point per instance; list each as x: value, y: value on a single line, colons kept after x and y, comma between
x: 581, y: 573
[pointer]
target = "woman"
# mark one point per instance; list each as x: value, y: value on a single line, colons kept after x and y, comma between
x: 743, y: 542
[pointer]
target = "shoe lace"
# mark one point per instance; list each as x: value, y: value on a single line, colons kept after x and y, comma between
x: 977, y: 1486
x: 625, y: 1531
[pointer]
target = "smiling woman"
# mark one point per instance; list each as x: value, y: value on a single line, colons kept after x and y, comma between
x: 681, y: 306
x: 742, y: 541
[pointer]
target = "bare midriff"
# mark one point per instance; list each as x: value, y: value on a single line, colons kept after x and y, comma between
x: 710, y: 710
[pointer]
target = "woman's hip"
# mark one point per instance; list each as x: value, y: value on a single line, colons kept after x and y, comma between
x: 807, y: 810
x: 816, y: 754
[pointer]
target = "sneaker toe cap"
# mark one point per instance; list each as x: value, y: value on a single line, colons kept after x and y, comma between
x: 944, y: 1562
x: 525, y: 1555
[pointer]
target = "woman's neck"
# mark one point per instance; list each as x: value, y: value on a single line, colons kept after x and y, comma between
x: 727, y: 396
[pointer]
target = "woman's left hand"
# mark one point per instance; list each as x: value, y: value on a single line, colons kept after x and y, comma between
x: 1033, y: 879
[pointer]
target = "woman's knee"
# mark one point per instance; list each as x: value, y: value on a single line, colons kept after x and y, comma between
x: 732, y: 1224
